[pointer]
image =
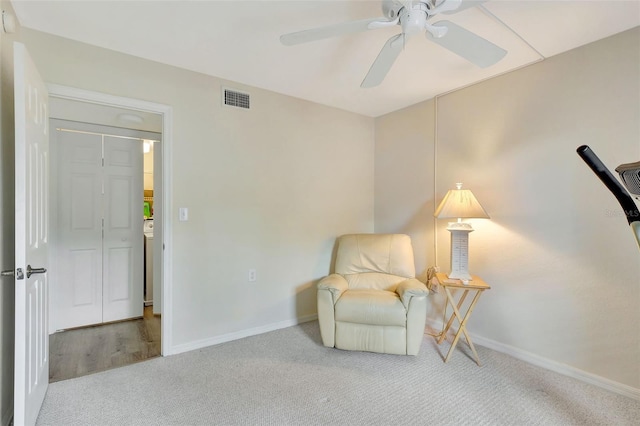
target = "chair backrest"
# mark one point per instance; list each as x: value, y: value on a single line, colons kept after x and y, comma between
x: 377, y: 261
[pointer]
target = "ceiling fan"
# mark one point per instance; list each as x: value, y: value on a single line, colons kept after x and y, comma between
x: 414, y: 17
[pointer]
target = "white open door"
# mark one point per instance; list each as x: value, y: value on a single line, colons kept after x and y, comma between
x: 31, y: 237
x: 123, y: 274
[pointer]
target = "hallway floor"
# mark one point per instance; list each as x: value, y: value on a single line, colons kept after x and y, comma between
x: 87, y: 350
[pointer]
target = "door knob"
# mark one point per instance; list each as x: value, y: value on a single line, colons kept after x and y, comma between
x: 31, y: 271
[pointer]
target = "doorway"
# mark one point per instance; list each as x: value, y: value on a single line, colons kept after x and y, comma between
x: 97, y: 210
x: 122, y: 342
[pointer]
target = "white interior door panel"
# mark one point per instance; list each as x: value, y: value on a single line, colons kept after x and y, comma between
x: 99, y: 268
x: 76, y: 298
x: 31, y: 373
x: 123, y: 237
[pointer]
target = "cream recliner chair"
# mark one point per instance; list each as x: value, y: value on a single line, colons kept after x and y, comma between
x: 373, y: 302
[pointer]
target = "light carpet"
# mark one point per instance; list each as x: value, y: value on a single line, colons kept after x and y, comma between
x: 286, y: 377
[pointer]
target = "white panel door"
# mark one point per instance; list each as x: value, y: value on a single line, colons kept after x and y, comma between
x: 76, y: 299
x: 31, y: 239
x: 123, y: 237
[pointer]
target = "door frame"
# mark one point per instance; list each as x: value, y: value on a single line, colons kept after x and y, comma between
x: 166, y: 111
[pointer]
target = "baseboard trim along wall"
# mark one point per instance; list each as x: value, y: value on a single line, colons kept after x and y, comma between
x: 529, y: 357
x: 548, y: 364
x: 203, y: 343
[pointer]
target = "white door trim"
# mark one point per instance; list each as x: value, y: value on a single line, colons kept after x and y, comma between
x: 166, y: 111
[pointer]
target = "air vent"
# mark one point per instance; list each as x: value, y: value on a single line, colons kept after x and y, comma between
x: 236, y: 99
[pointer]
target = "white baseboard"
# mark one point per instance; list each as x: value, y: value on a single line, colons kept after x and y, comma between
x: 564, y: 369
x: 203, y: 343
x: 517, y: 353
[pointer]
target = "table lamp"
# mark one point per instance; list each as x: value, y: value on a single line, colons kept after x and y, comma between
x: 461, y: 204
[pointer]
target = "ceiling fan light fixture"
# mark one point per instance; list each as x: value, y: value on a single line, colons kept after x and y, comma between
x: 414, y: 20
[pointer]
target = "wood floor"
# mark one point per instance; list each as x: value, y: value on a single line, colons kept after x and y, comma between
x: 82, y: 351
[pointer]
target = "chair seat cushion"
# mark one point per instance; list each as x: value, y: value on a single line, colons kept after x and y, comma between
x: 374, y: 307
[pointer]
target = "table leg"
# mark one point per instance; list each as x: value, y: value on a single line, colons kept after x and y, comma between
x: 456, y: 314
x: 463, y: 326
x: 463, y: 322
x: 453, y: 304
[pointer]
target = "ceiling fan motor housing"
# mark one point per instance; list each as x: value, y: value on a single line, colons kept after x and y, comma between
x: 413, y: 15
x: 414, y: 20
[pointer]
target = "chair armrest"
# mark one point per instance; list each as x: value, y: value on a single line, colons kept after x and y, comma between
x: 329, y: 291
x: 334, y: 283
x: 411, y: 288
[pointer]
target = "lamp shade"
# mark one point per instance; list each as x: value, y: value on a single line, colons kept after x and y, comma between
x: 460, y: 203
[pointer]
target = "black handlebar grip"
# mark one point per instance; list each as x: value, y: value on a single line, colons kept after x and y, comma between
x: 616, y: 188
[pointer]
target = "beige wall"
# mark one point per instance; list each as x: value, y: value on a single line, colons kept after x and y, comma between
x: 559, y: 255
x: 404, y: 176
x: 269, y: 188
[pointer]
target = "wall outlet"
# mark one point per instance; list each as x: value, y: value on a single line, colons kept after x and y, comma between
x: 252, y: 275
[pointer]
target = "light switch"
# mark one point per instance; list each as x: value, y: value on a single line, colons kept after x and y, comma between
x: 183, y: 214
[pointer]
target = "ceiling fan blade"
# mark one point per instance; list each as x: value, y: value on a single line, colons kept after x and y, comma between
x: 468, y: 45
x: 384, y: 61
x: 334, y: 30
x: 466, y: 4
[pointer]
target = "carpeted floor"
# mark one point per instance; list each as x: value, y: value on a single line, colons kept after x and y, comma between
x: 287, y: 377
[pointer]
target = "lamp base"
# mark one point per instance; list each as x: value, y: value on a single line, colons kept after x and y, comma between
x: 459, y: 250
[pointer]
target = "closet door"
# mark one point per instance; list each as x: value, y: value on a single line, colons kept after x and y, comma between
x: 123, y: 236
x: 76, y: 299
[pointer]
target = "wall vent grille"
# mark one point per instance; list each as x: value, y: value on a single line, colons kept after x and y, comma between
x: 236, y: 99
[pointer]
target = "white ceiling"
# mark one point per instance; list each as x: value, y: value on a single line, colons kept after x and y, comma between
x: 239, y: 41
